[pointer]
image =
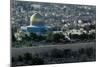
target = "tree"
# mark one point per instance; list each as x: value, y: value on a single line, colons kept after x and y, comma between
x: 40, y: 38
x: 20, y: 58
x: 49, y: 37
x: 37, y: 61
x: 74, y: 36
x: 33, y: 36
x: 92, y: 26
x: 26, y: 38
x: 83, y: 36
x: 57, y: 37
x: 81, y: 51
x: 57, y: 53
x: 67, y: 53
x: 13, y: 37
x: 27, y: 57
x: 36, y: 37
x: 13, y: 59
x: 90, y: 51
x: 92, y: 36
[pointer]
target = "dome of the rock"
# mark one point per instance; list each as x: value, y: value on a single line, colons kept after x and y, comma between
x: 37, y: 25
x: 36, y: 18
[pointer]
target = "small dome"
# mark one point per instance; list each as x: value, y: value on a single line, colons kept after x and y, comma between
x: 35, y: 18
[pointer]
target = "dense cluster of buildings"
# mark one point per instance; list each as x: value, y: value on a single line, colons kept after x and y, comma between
x: 41, y: 18
x: 39, y: 27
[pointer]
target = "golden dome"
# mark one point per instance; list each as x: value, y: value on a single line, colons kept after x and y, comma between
x: 35, y: 18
